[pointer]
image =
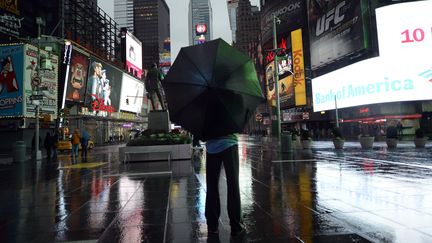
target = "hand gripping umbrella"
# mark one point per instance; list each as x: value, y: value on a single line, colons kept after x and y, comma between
x: 212, y: 89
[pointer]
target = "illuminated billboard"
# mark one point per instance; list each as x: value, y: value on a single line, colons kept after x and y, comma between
x: 335, y: 30
x: 132, y: 94
x: 76, y: 79
x: 102, y: 88
x: 133, y: 55
x: 11, y: 81
x: 200, y: 29
x: 402, y: 72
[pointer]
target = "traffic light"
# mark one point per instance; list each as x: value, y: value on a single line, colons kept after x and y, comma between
x: 127, y: 101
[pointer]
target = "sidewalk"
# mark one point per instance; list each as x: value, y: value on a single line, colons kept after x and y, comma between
x: 318, y: 195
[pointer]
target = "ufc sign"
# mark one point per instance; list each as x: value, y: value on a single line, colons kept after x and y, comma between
x: 333, y: 16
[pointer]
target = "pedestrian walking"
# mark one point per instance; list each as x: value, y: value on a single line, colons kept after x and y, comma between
x: 85, y: 137
x: 75, y: 143
x: 54, y: 143
x: 223, y: 151
x: 47, y: 145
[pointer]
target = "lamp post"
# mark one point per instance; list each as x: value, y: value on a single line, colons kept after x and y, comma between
x: 336, y: 112
x: 276, y: 78
x: 37, y: 153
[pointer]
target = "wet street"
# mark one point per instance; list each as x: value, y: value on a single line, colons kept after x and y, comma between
x: 317, y: 195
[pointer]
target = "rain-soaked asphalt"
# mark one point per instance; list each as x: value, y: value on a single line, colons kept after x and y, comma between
x: 318, y: 195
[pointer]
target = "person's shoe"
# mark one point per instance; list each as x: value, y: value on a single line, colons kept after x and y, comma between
x: 212, y: 232
x: 238, y: 233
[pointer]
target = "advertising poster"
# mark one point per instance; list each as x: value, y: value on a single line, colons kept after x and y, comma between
x: 79, y: 65
x: 286, y: 88
x: 102, y: 88
x: 132, y: 94
x: 289, y: 12
x: 45, y: 85
x: 11, y: 81
x: 298, y: 67
x: 270, y: 83
x: 286, y: 92
x: 133, y: 55
x: 335, y: 30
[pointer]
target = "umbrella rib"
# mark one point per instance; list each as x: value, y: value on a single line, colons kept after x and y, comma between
x: 199, y: 71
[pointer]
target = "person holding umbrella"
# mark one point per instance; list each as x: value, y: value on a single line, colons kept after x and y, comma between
x: 223, y: 151
x: 212, y: 90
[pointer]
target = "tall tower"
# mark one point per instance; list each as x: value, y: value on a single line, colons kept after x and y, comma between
x: 151, y: 27
x: 232, y: 15
x: 200, y: 13
x: 248, y: 25
x: 124, y: 14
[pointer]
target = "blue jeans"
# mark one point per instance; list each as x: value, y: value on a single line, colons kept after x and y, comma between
x: 74, y: 150
x: 230, y: 160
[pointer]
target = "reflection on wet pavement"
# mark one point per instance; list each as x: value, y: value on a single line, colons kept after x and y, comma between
x: 318, y: 195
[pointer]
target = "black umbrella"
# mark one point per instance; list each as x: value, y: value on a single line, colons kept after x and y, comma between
x: 212, y: 89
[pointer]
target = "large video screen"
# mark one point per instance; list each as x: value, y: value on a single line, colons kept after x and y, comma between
x: 133, y: 55
x: 132, y: 94
x: 335, y: 30
x: 103, y: 88
x: 402, y: 72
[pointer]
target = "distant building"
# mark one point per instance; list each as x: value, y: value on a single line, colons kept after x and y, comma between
x: 232, y: 15
x: 151, y: 27
x: 124, y: 14
x: 200, y: 14
x: 248, y: 25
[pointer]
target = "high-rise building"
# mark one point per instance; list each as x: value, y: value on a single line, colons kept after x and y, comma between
x: 200, y: 14
x: 248, y: 25
x: 232, y: 15
x: 124, y: 14
x: 151, y: 27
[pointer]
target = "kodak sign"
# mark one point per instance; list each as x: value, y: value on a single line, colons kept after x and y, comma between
x: 298, y: 67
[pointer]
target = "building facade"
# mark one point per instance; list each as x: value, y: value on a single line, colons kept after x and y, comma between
x: 151, y: 27
x: 200, y: 14
x: 232, y: 15
x: 247, y: 26
x: 124, y: 14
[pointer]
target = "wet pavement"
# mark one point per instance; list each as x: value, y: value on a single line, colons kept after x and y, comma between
x: 318, y: 195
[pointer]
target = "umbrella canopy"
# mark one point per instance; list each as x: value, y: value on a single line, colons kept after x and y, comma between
x: 212, y: 89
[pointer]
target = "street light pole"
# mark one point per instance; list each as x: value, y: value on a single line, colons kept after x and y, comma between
x: 276, y: 79
x: 38, y: 153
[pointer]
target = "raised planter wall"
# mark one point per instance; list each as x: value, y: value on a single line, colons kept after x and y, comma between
x: 178, y: 151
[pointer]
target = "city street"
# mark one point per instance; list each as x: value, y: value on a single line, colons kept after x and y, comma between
x: 317, y: 195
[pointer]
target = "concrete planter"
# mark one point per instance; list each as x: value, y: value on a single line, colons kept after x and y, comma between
x: 306, y: 144
x: 338, y: 143
x: 178, y: 151
x: 391, y: 142
x: 366, y: 142
x: 420, y: 142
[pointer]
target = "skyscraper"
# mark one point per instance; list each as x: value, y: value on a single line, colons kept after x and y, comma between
x: 200, y: 13
x: 124, y: 14
x: 151, y: 27
x: 248, y: 25
x: 232, y: 15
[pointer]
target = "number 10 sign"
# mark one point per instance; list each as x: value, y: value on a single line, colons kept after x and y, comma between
x: 405, y: 29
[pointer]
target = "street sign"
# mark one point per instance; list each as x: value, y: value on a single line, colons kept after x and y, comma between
x: 36, y: 97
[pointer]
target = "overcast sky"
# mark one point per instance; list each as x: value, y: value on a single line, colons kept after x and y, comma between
x: 179, y: 21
